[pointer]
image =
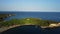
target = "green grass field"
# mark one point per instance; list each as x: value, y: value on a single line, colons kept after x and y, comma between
x: 35, y: 21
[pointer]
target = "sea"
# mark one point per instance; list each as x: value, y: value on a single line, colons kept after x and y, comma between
x: 43, y: 15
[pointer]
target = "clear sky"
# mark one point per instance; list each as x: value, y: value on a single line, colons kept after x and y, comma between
x: 29, y: 5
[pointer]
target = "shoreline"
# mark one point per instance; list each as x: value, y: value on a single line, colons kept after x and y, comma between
x: 43, y: 27
x: 6, y: 28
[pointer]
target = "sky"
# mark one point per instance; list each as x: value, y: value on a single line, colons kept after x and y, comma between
x: 29, y: 5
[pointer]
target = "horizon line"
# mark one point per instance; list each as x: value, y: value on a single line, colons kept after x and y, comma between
x: 30, y: 11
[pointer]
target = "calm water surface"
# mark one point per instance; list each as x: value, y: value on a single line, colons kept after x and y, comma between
x: 44, y: 15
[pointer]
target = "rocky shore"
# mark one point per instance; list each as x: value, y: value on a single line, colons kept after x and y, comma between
x: 50, y: 26
x: 6, y: 28
x: 53, y: 25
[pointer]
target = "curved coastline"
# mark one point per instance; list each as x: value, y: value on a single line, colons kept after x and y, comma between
x: 43, y: 27
x: 29, y: 21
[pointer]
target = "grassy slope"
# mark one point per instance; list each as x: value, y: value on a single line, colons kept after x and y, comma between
x: 35, y: 21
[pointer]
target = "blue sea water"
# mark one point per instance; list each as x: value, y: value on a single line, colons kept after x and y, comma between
x: 43, y: 15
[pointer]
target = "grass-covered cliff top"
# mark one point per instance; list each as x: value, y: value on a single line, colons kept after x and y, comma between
x: 35, y: 21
